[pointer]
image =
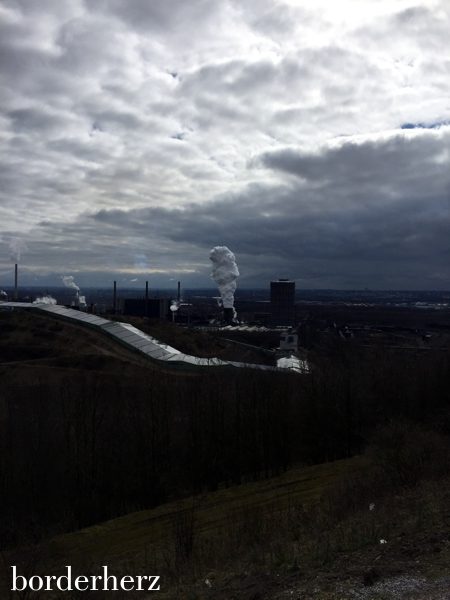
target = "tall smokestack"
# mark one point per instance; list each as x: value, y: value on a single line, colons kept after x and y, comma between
x: 179, y: 292
x: 16, y: 292
x: 146, y: 298
x: 115, y: 298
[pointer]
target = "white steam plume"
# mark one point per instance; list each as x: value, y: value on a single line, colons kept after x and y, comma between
x: 16, y: 247
x: 81, y: 300
x: 69, y: 282
x: 224, y: 273
x: 45, y: 300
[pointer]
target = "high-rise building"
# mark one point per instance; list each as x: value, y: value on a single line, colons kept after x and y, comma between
x: 282, y: 302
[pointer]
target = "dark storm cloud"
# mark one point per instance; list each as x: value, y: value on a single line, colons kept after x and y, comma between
x: 391, y: 220
x: 160, y: 129
x: 397, y: 156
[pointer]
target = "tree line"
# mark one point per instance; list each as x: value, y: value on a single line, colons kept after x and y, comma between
x: 86, y: 446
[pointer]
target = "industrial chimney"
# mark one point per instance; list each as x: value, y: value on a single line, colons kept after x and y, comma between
x: 115, y: 298
x: 16, y: 292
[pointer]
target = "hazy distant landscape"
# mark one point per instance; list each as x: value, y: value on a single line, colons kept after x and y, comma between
x: 386, y: 297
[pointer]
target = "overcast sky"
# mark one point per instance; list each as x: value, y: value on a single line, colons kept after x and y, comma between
x: 309, y: 136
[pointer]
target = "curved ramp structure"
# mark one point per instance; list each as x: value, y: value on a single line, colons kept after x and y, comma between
x: 135, y: 339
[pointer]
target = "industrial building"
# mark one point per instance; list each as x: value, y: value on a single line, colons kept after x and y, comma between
x: 282, y: 303
x: 154, y: 308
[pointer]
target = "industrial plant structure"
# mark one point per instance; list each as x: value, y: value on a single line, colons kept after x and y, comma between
x: 16, y: 282
x: 154, y: 308
x: 282, y: 302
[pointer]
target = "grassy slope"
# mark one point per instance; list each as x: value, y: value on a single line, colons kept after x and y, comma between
x: 32, y: 339
x: 126, y: 536
x: 146, y: 537
x: 348, y: 562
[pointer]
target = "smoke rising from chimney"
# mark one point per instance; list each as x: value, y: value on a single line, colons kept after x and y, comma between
x: 69, y: 282
x: 175, y: 304
x: 225, y: 273
x: 81, y: 300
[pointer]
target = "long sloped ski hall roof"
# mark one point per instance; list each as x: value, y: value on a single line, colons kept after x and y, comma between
x: 135, y: 339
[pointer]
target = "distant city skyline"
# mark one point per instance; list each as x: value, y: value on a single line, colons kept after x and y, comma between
x: 311, y: 137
